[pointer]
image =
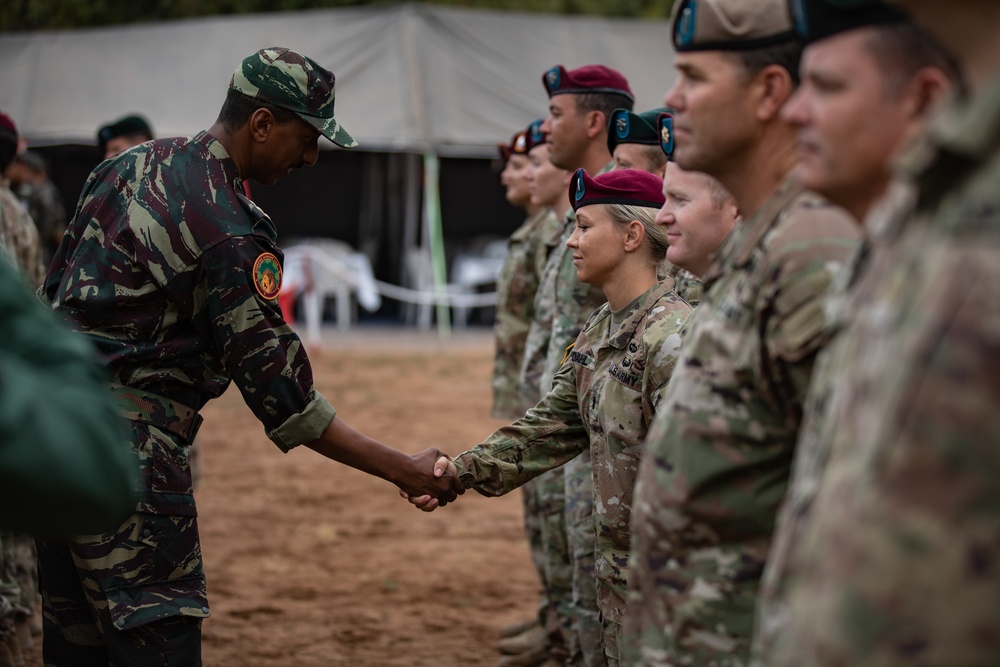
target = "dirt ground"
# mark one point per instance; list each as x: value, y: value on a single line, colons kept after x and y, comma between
x: 312, y: 563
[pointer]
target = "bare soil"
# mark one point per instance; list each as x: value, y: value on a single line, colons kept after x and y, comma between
x: 312, y: 563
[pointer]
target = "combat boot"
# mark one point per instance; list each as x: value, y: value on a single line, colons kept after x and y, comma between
x: 532, y: 638
x: 513, y: 629
x: 533, y: 657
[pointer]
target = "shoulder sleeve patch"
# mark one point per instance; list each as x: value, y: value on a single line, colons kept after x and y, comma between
x: 267, y: 276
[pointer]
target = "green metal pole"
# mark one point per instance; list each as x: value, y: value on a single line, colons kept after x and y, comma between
x: 432, y: 202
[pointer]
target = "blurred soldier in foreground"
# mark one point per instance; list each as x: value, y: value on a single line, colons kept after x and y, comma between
x: 175, y: 274
x: 720, y: 450
x: 896, y: 562
x: 19, y: 241
x: 870, y: 79
x: 56, y: 421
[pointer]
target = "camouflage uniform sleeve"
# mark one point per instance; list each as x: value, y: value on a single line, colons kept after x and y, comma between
x: 266, y: 359
x: 804, y: 258
x: 549, y: 435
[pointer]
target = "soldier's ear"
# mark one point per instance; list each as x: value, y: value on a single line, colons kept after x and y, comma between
x: 260, y: 125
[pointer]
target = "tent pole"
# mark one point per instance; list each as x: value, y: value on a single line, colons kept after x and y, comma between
x: 432, y: 205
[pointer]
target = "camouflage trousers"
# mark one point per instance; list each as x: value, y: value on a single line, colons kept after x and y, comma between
x: 135, y: 594
x: 582, y: 538
x: 699, y: 614
x: 611, y: 641
x: 550, y: 552
x: 18, y: 573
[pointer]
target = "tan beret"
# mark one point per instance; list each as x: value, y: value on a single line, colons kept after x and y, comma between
x: 730, y: 25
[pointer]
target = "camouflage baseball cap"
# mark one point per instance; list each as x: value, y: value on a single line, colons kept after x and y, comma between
x: 626, y: 127
x: 730, y: 25
x: 290, y: 80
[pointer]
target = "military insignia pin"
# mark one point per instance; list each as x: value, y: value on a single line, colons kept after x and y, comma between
x: 621, y: 125
x: 267, y: 276
x: 580, y: 189
x: 667, y: 134
x: 552, y: 79
x: 520, y: 143
x: 686, y: 24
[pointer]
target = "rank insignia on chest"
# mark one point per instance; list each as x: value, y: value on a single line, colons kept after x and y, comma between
x: 267, y: 276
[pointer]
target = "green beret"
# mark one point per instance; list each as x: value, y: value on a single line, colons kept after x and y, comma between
x: 730, y: 25
x: 123, y: 127
x: 626, y: 127
x: 819, y: 19
x: 665, y: 123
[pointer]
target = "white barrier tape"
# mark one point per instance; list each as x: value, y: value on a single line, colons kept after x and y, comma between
x: 449, y: 297
x: 456, y: 299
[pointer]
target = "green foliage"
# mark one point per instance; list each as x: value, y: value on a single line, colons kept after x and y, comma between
x: 16, y: 15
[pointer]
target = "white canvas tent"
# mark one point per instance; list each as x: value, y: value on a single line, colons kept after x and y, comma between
x: 414, y: 81
x: 409, y: 77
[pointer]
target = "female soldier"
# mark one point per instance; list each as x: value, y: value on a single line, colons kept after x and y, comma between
x: 611, y: 380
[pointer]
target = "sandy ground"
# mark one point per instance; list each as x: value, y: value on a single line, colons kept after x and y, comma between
x: 311, y: 563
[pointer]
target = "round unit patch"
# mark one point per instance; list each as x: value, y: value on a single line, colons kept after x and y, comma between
x: 267, y: 276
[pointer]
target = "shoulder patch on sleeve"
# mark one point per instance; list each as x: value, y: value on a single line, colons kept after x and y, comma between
x: 267, y: 276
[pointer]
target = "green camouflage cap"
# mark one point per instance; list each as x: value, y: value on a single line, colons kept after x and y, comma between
x: 292, y: 81
x: 627, y: 127
x: 730, y: 25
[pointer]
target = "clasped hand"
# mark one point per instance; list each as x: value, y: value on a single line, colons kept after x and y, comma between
x: 443, y: 469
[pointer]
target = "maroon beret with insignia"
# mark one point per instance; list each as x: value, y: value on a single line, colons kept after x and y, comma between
x: 622, y: 186
x: 534, y: 135
x: 586, y: 79
x: 518, y: 146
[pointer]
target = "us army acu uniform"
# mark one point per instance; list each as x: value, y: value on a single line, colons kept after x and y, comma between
x: 811, y: 452
x: 601, y: 402
x: 516, y: 288
x: 562, y: 305
x: 895, y: 562
x: 528, y: 251
x: 721, y: 447
x: 174, y: 275
x: 720, y: 451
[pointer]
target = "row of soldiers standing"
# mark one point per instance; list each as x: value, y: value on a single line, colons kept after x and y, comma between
x: 819, y: 476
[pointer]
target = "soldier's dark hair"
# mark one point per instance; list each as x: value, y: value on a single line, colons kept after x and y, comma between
x: 8, y: 148
x: 903, y: 49
x: 786, y: 54
x: 238, y: 108
x: 606, y: 103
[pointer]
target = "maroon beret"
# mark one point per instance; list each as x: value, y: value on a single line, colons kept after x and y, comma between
x: 586, y: 79
x: 518, y: 146
x: 7, y: 123
x: 534, y: 135
x: 622, y: 186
